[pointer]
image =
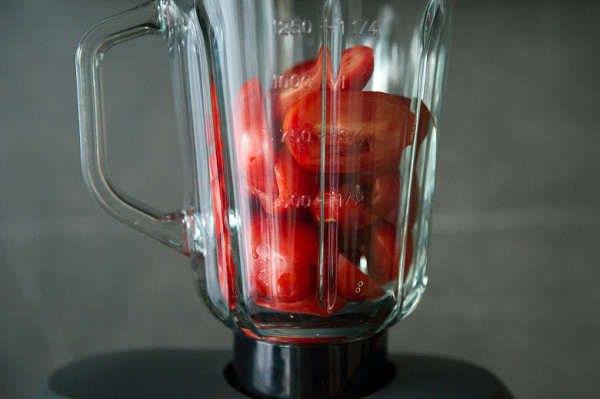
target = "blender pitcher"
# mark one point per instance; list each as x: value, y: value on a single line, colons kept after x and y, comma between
x: 309, y: 131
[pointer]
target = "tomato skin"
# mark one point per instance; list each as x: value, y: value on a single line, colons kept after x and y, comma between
x: 255, y: 148
x: 376, y: 244
x: 353, y: 284
x: 296, y: 186
x: 310, y: 80
x: 424, y: 121
x: 292, y: 178
x: 385, y: 257
x: 215, y: 165
x: 385, y: 198
x: 225, y: 267
x: 369, y: 130
x: 346, y: 205
x: 356, y: 68
x: 281, y: 251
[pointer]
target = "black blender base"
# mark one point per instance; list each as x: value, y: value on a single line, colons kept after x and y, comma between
x: 190, y: 374
x: 320, y: 370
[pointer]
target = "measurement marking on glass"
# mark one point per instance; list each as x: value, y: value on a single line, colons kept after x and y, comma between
x: 356, y: 27
x: 365, y: 28
x: 342, y: 135
x: 293, y: 27
x: 295, y: 81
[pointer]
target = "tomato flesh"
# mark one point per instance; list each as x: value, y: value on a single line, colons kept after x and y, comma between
x: 356, y: 68
x: 384, y: 259
x: 296, y: 186
x: 280, y: 252
x: 385, y: 197
x: 368, y: 130
x: 304, y: 78
x: 254, y: 145
x: 353, y: 284
x: 297, y: 82
x: 346, y: 206
x: 226, y: 270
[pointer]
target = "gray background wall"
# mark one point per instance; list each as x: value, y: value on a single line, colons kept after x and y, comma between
x: 514, y: 253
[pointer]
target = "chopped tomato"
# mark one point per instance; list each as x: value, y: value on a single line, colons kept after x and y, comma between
x: 297, y: 186
x: 281, y: 251
x: 353, y: 284
x: 254, y: 145
x: 386, y: 194
x: 347, y: 206
x: 356, y: 68
x: 226, y: 270
x: 297, y: 82
x: 362, y: 131
x: 304, y: 78
x: 424, y: 121
x: 384, y: 262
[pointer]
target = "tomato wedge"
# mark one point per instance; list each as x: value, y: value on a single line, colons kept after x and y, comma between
x: 297, y: 82
x: 356, y: 68
x: 384, y: 259
x: 347, y: 206
x: 353, y: 284
x: 226, y: 270
x: 255, y: 148
x: 363, y: 130
x: 297, y: 186
x: 304, y: 78
x: 281, y: 251
x: 386, y: 194
x: 376, y: 245
x: 424, y: 121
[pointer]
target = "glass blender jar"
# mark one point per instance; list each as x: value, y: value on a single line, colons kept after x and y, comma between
x: 309, y: 131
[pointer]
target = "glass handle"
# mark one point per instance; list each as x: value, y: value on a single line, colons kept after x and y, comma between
x: 169, y: 228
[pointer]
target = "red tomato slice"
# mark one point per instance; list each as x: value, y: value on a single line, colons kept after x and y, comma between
x: 384, y: 256
x: 424, y: 121
x: 255, y: 147
x: 304, y: 78
x: 281, y: 251
x: 297, y: 82
x: 297, y: 186
x: 347, y: 206
x: 354, y: 284
x: 292, y: 178
x: 377, y: 245
x: 303, y: 67
x: 356, y: 68
x: 332, y: 302
x: 367, y: 177
x: 369, y: 129
x: 386, y: 194
x: 226, y: 270
x: 215, y: 164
